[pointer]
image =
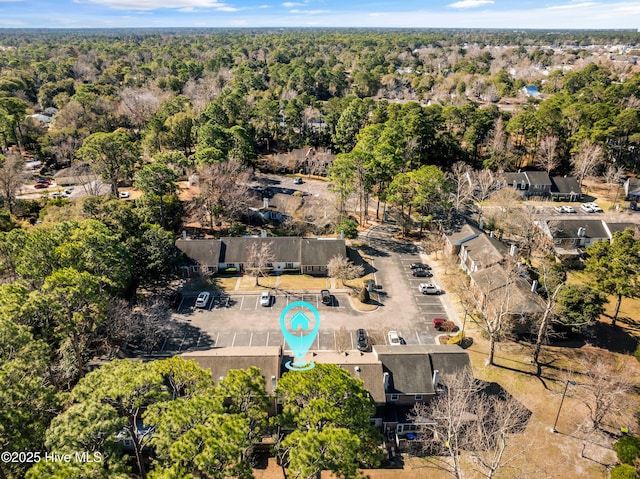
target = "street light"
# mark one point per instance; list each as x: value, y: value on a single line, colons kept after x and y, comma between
x: 573, y: 383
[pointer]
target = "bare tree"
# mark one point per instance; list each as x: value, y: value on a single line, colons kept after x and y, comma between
x: 138, y: 104
x: 605, y: 383
x: 483, y: 183
x: 461, y: 179
x: 152, y: 321
x: 497, y: 145
x: 341, y: 268
x: 445, y: 420
x: 223, y: 192
x: 547, y: 157
x: 494, y: 305
x: 12, y: 176
x: 588, y: 158
x: 260, y: 256
x: 613, y: 176
x: 497, y: 420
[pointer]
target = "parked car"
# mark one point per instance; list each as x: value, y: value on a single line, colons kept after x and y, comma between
x: 587, y: 208
x: 421, y: 273
x: 265, y: 298
x: 124, y: 194
x: 202, y: 299
x: 326, y: 296
x: 362, y: 340
x: 42, y: 183
x: 429, y: 288
x: 394, y: 338
x: 564, y: 209
x: 419, y: 266
x: 297, y: 181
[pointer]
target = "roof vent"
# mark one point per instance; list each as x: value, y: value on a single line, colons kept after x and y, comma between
x: 357, y: 368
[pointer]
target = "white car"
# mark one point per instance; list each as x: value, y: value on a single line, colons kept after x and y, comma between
x: 124, y: 194
x: 569, y: 209
x: 429, y: 288
x: 394, y: 338
x: 202, y: 299
x: 265, y: 299
x: 586, y: 207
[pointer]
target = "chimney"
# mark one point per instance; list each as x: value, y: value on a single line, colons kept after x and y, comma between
x: 357, y: 369
x: 184, y: 234
x: 513, y: 250
x: 385, y: 381
x: 436, y: 379
x: 265, y: 202
x: 534, y: 286
x: 263, y: 233
x: 492, y: 234
x: 341, y: 234
x: 481, y: 223
x: 582, y: 232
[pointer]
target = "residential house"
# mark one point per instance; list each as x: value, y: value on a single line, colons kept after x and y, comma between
x: 498, y: 290
x: 481, y: 252
x: 565, y: 188
x: 294, y: 254
x: 528, y: 183
x: 569, y: 237
x: 221, y: 360
x: 632, y: 189
x: 461, y: 235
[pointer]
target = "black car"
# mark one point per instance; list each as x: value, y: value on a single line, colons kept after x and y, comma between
x: 420, y: 266
x: 421, y: 273
x: 326, y: 296
x: 362, y: 340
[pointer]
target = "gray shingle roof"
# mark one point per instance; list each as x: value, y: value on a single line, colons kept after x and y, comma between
x: 465, y: 233
x: 538, y: 178
x: 205, y: 252
x: 565, y: 185
x: 318, y: 252
x: 485, y: 250
x: 236, y: 250
x: 569, y: 228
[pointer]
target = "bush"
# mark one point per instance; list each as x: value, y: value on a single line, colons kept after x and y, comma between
x: 363, y: 296
x: 628, y: 449
x: 457, y: 339
x: 624, y: 471
x: 349, y: 226
x: 637, y: 352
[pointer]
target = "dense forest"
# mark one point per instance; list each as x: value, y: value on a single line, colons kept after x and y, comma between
x: 408, y: 114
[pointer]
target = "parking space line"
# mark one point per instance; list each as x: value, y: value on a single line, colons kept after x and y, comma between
x: 217, y: 337
x: 234, y: 340
x: 268, y: 333
x: 257, y: 302
x: 250, y: 338
x: 198, y: 342
x: 241, y: 301
x: 418, y: 336
x: 351, y: 337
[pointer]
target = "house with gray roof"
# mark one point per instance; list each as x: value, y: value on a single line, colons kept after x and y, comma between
x: 569, y: 237
x: 294, y: 254
x: 481, y: 252
x: 632, y: 189
x: 460, y: 235
x: 565, y: 188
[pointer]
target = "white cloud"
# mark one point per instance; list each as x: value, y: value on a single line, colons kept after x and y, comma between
x: 292, y: 4
x: 309, y: 12
x: 264, y: 6
x: 572, y: 6
x: 470, y: 3
x: 157, y: 4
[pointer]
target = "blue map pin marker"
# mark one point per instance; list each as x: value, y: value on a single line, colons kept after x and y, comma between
x: 299, y: 332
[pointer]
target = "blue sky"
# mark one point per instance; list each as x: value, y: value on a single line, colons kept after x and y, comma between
x: 555, y: 14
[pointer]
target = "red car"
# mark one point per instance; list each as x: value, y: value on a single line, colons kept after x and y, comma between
x: 441, y: 324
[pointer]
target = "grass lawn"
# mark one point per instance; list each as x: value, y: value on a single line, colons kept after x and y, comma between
x: 228, y: 283
x: 295, y: 282
x: 248, y: 283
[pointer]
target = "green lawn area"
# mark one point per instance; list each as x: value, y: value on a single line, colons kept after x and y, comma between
x: 248, y: 283
x: 303, y: 282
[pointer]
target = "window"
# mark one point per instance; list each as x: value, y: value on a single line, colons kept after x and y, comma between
x: 418, y: 397
x: 211, y: 269
x: 288, y: 265
x: 394, y: 397
x: 309, y: 268
x: 323, y: 268
x: 269, y: 265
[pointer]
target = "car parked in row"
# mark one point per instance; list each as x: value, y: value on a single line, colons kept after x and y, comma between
x: 590, y: 208
x: 421, y: 273
x: 326, y: 296
x: 394, y: 338
x: 419, y: 266
x: 265, y: 298
x: 565, y: 209
x: 429, y: 288
x: 362, y: 340
x: 442, y: 324
x: 203, y: 299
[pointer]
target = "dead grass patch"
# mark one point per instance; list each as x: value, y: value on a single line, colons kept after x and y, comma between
x: 298, y: 282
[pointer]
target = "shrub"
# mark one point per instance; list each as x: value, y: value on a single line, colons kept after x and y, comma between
x: 637, y: 352
x: 363, y: 296
x: 457, y: 339
x: 349, y: 226
x: 624, y: 471
x: 628, y: 449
